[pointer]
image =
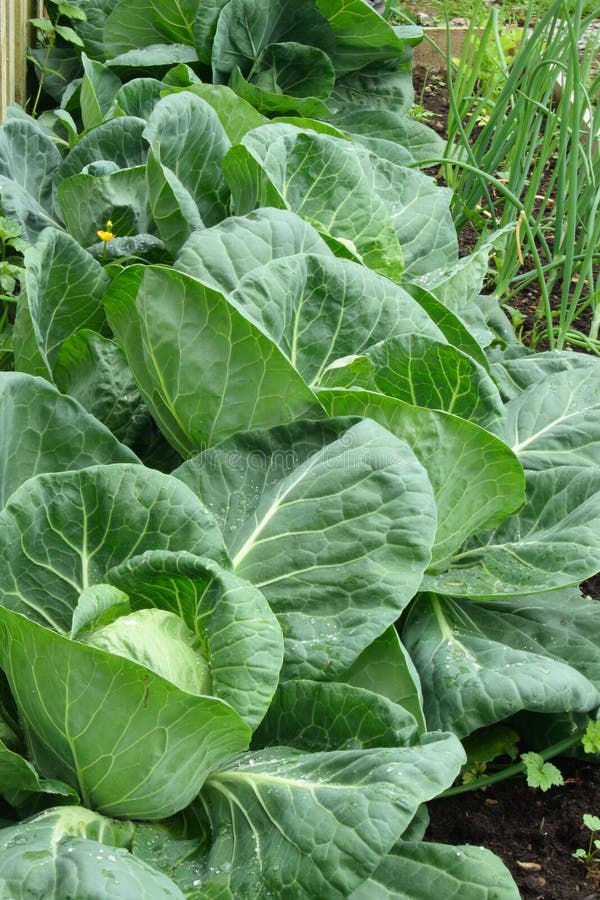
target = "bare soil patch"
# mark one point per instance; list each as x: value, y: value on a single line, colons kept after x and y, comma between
x: 535, y: 834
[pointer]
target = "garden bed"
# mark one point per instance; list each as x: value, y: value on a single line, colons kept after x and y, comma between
x: 264, y: 414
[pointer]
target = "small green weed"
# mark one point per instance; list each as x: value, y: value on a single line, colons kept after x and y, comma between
x: 541, y: 774
x: 420, y: 114
x: 12, y: 247
x: 591, y: 738
x: 592, y: 823
x: 48, y: 30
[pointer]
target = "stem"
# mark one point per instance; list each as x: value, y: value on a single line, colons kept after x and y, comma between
x: 572, y: 104
x: 595, y: 326
x: 516, y: 769
x: 51, y: 42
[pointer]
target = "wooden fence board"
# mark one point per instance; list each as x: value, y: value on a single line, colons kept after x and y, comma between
x: 15, y: 38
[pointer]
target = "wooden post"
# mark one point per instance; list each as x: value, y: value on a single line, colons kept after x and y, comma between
x: 15, y: 38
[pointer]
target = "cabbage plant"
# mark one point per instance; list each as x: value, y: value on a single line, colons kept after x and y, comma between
x: 287, y: 512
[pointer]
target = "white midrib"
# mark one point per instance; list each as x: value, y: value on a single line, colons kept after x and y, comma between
x: 518, y: 447
x: 84, y: 554
x: 272, y: 510
x: 449, y: 635
x: 267, y: 778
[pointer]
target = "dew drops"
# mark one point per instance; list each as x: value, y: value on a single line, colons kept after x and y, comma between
x: 19, y: 839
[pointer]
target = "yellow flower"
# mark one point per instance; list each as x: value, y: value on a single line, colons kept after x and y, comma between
x: 106, y: 235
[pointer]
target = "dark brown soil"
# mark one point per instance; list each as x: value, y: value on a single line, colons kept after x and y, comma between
x: 534, y: 833
x: 591, y: 587
x: 432, y: 94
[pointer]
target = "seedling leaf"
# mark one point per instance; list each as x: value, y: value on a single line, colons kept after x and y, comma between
x: 69, y: 35
x: 540, y: 774
x: 591, y: 738
x: 72, y: 11
x: 591, y: 822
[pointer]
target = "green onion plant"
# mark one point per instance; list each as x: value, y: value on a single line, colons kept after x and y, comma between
x: 530, y: 121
